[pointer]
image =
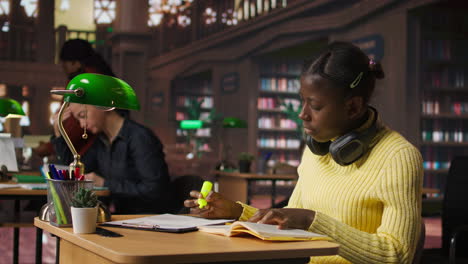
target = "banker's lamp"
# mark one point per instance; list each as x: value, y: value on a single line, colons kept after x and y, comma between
x: 191, y: 124
x: 98, y: 90
x: 10, y: 108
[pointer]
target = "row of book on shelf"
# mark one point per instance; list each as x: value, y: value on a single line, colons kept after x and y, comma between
x: 444, y: 131
x: 291, y: 158
x: 437, y: 49
x: 201, y: 147
x: 446, y: 78
x: 457, y: 136
x: 270, y: 103
x: 434, y: 106
x: 180, y: 115
x: 438, y: 158
x: 184, y: 101
x: 436, y: 164
x: 280, y: 142
x: 201, y: 132
x: 281, y: 68
x: 273, y: 122
x: 273, y: 84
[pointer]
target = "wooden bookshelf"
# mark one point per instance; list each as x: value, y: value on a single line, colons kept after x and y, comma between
x: 443, y: 88
x: 276, y: 134
x: 444, y: 116
x: 195, y: 87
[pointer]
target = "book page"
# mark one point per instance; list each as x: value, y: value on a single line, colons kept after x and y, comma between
x: 216, y: 229
x: 34, y: 186
x: 262, y: 231
x: 272, y: 231
x: 168, y: 221
x: 7, y: 186
x: 8, y: 157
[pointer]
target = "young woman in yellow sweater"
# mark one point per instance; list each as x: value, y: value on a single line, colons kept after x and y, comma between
x: 359, y: 181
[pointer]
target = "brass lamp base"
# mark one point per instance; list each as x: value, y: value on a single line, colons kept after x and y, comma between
x: 103, y: 215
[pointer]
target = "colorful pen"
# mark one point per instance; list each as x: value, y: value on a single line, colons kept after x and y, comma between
x: 55, y: 172
x: 205, y: 190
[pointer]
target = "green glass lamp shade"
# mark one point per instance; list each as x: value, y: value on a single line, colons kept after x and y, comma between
x: 232, y: 122
x: 10, y: 108
x: 100, y: 90
x: 191, y: 124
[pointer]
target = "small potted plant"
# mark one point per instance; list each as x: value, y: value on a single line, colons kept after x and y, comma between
x: 84, y: 211
x: 245, y: 160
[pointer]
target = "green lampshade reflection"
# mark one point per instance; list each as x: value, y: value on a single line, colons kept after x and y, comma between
x: 10, y: 108
x: 100, y: 90
x: 232, y: 122
x: 191, y: 124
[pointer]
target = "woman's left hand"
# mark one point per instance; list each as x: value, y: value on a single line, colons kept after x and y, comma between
x: 98, y: 180
x: 285, y: 217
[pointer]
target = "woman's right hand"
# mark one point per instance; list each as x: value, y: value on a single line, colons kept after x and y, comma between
x: 217, y: 207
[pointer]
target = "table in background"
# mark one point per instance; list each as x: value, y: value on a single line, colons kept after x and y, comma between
x: 430, y: 190
x: 16, y: 221
x: 140, y: 246
x: 237, y: 186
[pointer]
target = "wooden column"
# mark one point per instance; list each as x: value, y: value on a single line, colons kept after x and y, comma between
x: 15, y: 20
x: 130, y: 48
x: 45, y: 28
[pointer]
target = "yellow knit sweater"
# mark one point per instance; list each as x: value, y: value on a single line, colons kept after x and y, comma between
x: 372, y: 207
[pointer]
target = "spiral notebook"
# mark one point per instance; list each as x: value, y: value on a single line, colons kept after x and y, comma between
x: 166, y: 223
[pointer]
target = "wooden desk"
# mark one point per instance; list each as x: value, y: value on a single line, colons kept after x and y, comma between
x: 237, y: 186
x: 18, y: 194
x: 138, y: 246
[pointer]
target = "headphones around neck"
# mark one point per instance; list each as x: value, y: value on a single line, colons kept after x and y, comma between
x: 347, y: 148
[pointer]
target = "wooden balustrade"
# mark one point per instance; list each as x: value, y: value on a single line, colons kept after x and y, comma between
x: 170, y: 34
x: 19, y: 43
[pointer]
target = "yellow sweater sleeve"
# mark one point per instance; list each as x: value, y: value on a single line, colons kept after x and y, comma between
x: 399, y: 190
x: 247, y: 211
x: 295, y: 199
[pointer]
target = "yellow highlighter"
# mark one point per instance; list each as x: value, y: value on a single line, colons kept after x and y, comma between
x: 205, y: 190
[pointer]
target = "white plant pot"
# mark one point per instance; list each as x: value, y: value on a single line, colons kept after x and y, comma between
x: 84, y: 220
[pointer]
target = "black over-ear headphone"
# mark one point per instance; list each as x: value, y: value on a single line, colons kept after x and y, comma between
x: 348, y: 148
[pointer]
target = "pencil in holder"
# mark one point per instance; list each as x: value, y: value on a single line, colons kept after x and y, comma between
x: 60, y: 194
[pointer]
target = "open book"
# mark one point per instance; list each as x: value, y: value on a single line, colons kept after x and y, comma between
x: 262, y: 231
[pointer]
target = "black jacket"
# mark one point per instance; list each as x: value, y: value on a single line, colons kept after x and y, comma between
x: 133, y: 167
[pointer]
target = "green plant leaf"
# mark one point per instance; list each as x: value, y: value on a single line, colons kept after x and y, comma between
x: 246, y: 156
x: 293, y: 114
x: 84, y: 198
x: 194, y: 108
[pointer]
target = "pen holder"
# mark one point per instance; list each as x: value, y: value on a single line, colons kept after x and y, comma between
x: 60, y: 194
